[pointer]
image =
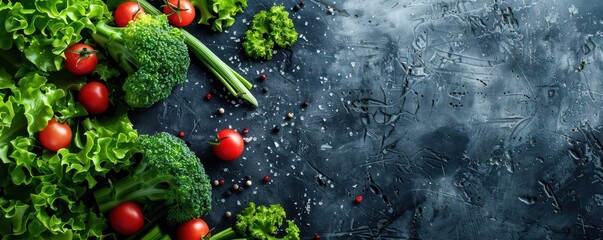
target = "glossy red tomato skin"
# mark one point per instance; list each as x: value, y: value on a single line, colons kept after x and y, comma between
x: 126, y: 218
x: 126, y: 12
x: 194, y: 229
x: 94, y: 96
x: 55, y: 136
x: 187, y: 13
x: 230, y: 145
x: 80, y: 59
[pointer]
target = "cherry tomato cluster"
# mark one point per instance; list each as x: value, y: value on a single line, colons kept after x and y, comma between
x: 94, y: 96
x: 127, y: 219
x: 80, y: 59
x: 181, y: 13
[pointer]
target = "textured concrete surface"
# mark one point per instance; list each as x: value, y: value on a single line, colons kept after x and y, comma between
x: 464, y: 119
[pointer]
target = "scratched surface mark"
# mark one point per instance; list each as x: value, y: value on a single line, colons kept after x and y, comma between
x: 464, y: 119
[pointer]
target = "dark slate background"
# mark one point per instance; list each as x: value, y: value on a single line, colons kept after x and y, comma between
x: 457, y: 119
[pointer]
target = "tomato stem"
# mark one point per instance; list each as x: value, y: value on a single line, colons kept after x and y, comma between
x: 138, y: 11
x: 218, y: 140
x: 83, y: 53
x: 175, y: 9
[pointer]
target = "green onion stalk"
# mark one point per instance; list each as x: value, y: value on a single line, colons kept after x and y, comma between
x: 234, y: 82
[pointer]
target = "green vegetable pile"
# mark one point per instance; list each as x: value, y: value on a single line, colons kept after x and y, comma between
x: 44, y: 33
x: 152, y: 52
x: 42, y: 198
x: 267, y: 29
x: 168, y: 172
x: 219, y: 13
x: 68, y: 194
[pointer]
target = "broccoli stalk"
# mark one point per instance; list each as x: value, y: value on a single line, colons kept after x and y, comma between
x: 152, y: 52
x: 168, y: 171
x: 259, y: 223
x: 234, y: 83
x: 155, y: 234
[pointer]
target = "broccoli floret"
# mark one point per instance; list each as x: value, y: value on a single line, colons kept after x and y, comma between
x: 168, y: 171
x: 259, y: 223
x: 152, y: 52
x: 267, y: 29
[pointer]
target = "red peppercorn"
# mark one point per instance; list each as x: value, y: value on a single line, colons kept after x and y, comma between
x: 181, y: 134
x: 222, y: 181
x: 263, y: 77
x: 208, y: 96
x: 301, y: 4
x: 358, y: 199
x: 316, y: 237
x: 245, y: 131
x: 266, y: 179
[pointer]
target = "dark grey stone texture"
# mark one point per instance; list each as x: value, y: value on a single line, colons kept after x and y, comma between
x: 457, y: 119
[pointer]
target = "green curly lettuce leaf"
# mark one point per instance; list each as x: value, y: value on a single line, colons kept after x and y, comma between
x: 282, y: 30
x: 258, y: 43
x: 42, y: 191
x: 42, y: 30
x: 32, y: 99
x: 220, y: 14
x: 263, y: 222
x: 105, y: 72
x: 269, y: 28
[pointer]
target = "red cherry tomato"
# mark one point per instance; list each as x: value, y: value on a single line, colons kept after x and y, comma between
x: 192, y: 230
x: 229, y: 145
x: 94, y: 96
x: 55, y: 135
x: 126, y: 218
x: 181, y: 13
x: 80, y: 59
x: 126, y: 12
